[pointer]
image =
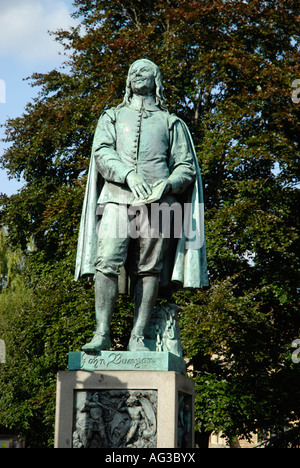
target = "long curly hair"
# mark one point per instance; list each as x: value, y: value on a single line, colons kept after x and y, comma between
x: 159, y: 89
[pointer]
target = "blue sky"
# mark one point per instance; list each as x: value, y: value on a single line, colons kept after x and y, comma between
x: 26, y: 47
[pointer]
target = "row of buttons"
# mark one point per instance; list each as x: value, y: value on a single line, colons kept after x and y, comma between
x: 137, y: 138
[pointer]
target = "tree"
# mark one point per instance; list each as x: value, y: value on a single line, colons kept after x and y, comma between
x: 228, y: 68
x: 10, y: 264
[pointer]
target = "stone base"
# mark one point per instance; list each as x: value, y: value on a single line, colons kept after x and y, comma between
x: 127, y: 360
x: 124, y: 409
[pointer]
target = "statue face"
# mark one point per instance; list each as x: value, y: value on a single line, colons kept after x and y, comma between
x: 142, y: 79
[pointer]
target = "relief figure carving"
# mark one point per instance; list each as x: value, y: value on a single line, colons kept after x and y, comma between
x: 115, y: 419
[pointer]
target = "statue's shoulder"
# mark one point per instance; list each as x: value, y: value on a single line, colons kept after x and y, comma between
x: 174, y: 119
x: 110, y: 112
x: 113, y: 112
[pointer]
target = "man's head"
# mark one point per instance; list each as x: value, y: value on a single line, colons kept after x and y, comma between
x: 144, y: 78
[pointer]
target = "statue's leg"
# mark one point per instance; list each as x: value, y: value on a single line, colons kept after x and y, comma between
x: 146, y: 291
x: 106, y: 294
x: 152, y: 245
x: 111, y: 256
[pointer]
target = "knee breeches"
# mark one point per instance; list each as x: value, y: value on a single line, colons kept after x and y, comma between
x: 124, y: 227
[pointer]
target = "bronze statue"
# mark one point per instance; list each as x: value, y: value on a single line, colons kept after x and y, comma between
x: 143, y: 162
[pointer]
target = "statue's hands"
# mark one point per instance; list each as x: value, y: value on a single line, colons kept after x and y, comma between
x: 138, y: 185
x: 168, y: 187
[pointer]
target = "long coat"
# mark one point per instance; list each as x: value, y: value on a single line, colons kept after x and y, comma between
x: 186, y: 264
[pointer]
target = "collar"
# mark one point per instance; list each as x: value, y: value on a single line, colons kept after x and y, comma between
x: 146, y: 102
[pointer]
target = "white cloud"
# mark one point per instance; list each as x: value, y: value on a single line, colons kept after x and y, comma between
x: 24, y: 26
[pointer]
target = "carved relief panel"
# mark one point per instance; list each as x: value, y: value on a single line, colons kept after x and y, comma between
x: 115, y: 419
x: 185, y: 426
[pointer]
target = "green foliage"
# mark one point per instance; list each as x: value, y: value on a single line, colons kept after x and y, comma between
x: 240, y: 349
x: 41, y: 320
x: 10, y: 264
x: 228, y: 69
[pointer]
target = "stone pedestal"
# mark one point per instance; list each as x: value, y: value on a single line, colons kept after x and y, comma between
x: 124, y: 409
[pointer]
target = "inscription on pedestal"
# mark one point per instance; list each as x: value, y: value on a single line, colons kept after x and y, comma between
x: 117, y: 360
x: 126, y: 360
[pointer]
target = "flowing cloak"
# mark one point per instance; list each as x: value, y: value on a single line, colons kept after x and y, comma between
x: 187, y: 263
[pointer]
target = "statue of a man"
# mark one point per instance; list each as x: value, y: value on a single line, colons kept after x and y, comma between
x: 140, y: 152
